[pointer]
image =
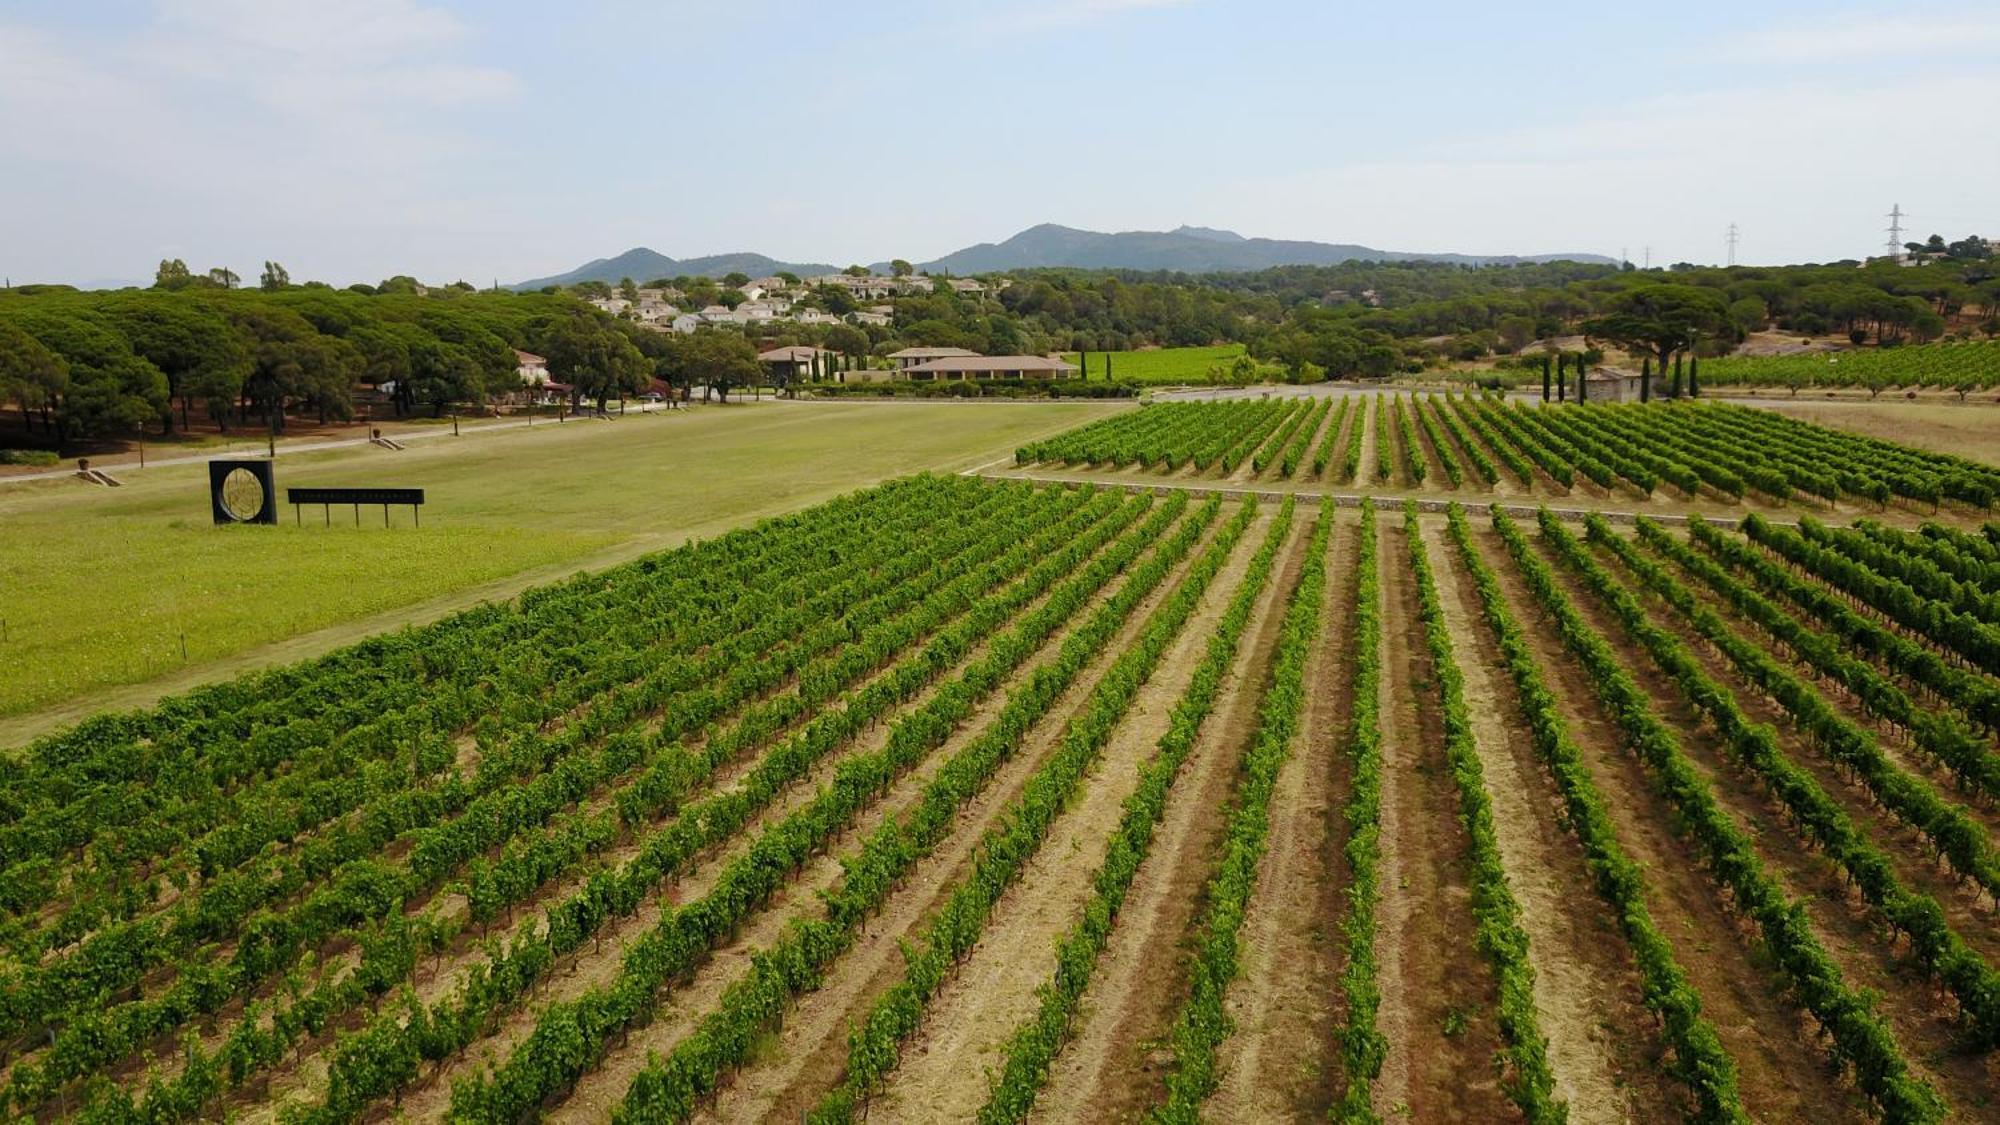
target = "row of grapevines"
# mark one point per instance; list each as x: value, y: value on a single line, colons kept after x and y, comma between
x: 1638, y: 456
x: 1295, y: 450
x: 1202, y: 1023
x: 1322, y: 454
x: 358, y: 1073
x: 1700, y: 1061
x: 1363, y: 1047
x: 360, y: 884
x: 1908, y: 472
x: 1464, y: 410
x: 111, y: 958
x: 1510, y: 426
x: 1629, y: 436
x: 1961, y: 366
x: 1860, y: 1038
x: 1273, y: 449
x: 181, y: 783
x: 1960, y: 839
x: 97, y: 1033
x: 875, y: 1046
x: 1908, y: 567
x: 1496, y: 913
x: 670, y: 1087
x: 1449, y: 419
x: 1937, y: 733
x: 1820, y: 819
x: 1384, y: 448
x: 1414, y: 461
x: 1976, y: 695
x: 1032, y: 1047
x: 1599, y: 461
x: 1967, y: 637
x: 1943, y: 548
x: 1446, y: 458
x: 1552, y: 429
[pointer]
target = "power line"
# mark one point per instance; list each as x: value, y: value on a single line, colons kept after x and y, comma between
x: 1731, y: 237
x: 1896, y: 218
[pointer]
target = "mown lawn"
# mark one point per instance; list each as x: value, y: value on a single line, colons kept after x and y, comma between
x: 98, y: 587
x: 1163, y: 365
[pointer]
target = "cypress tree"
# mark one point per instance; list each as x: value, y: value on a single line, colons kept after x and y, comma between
x: 1677, y: 375
x: 1562, y: 376
x: 1694, y: 376
x: 1545, y: 377
x: 1107, y: 367
x: 1083, y: 365
x: 1646, y: 379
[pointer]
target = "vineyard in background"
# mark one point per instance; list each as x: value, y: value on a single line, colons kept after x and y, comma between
x: 1965, y: 367
x: 958, y: 798
x: 1463, y: 442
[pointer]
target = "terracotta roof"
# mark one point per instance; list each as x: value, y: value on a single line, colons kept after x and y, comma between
x: 527, y: 357
x: 930, y: 353
x: 797, y: 354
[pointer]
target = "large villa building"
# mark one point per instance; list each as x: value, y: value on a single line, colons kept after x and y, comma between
x: 969, y: 365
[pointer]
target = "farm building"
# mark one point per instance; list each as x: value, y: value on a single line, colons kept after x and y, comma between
x: 991, y: 367
x: 784, y: 365
x: 1607, y: 384
x: 911, y: 357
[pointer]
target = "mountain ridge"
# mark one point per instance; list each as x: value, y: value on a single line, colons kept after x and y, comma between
x: 1185, y: 249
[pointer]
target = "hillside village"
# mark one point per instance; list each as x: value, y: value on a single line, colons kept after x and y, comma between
x: 788, y: 299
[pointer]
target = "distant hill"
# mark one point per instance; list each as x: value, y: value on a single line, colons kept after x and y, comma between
x: 643, y: 265
x: 1186, y: 249
x: 1190, y: 250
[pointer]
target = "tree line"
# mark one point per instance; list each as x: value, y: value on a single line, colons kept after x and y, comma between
x: 80, y: 365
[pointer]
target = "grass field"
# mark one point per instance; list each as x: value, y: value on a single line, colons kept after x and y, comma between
x: 957, y: 799
x: 102, y: 585
x: 1162, y: 365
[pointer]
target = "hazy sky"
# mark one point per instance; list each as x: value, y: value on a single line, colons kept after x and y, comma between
x: 353, y: 139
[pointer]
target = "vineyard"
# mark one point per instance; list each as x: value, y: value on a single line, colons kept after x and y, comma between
x: 1689, y: 453
x: 961, y: 799
x: 1966, y: 368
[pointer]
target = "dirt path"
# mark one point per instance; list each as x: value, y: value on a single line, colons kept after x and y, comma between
x: 1587, y: 990
x: 1113, y: 1068
x: 1368, y: 434
x: 1782, y: 1073
x: 805, y: 1057
x: 943, y: 1073
x: 1437, y: 993
x: 1281, y: 1061
x: 1349, y: 430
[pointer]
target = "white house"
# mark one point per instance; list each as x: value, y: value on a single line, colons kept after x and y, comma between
x: 815, y: 316
x: 755, y: 312
x: 869, y: 316
x: 613, y: 305
x: 718, y: 314
x: 686, y: 323
x: 966, y: 287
